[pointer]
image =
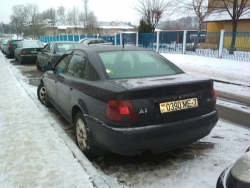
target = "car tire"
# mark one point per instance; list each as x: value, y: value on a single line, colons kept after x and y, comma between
x: 20, y: 60
x: 83, y: 136
x: 38, y: 65
x: 41, y: 94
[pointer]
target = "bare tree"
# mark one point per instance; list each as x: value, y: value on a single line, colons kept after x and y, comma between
x: 34, y: 21
x: 51, y: 15
x: 198, y: 8
x: 61, y: 13
x: 74, y: 16
x: 152, y: 11
x: 18, y: 18
x: 92, y: 26
x: 235, y: 9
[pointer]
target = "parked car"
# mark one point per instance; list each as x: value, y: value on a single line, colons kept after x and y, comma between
x: 27, y: 50
x: 95, y: 41
x: 3, y: 45
x: 128, y: 100
x: 52, y: 52
x: 236, y: 175
x: 81, y: 41
x: 10, y: 46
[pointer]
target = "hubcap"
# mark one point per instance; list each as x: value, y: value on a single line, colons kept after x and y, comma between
x: 42, y: 94
x: 81, y: 134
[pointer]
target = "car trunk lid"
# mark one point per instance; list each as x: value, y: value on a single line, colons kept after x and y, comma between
x: 168, y: 98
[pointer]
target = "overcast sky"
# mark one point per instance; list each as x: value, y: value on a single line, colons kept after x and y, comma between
x: 105, y: 10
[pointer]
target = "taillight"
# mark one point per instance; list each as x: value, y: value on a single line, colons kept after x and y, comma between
x: 121, y: 111
x: 23, y: 52
x: 213, y: 98
x: 10, y: 47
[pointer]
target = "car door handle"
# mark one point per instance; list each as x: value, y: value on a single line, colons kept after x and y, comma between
x: 71, y: 89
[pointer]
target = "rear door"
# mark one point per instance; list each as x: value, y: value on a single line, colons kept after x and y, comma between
x: 68, y: 82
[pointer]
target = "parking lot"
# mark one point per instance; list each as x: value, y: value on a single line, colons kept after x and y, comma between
x: 196, y: 165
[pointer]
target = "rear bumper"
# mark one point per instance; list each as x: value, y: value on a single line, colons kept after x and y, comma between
x: 28, y: 57
x: 156, y: 138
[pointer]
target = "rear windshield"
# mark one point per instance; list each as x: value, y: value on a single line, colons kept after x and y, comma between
x: 136, y: 64
x: 32, y: 44
x: 14, y: 42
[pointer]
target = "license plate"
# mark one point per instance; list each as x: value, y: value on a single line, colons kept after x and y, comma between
x: 172, y: 106
x: 33, y: 52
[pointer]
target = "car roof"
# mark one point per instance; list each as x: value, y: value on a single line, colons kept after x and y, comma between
x: 64, y: 42
x: 106, y: 48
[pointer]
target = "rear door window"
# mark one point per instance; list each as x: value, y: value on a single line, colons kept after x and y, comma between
x: 78, y: 66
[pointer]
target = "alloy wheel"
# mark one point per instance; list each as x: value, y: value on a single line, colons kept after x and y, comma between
x: 81, y: 134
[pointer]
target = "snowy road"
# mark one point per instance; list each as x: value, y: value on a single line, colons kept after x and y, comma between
x: 197, y: 165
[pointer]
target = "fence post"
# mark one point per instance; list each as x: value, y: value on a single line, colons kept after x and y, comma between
x: 157, y: 41
x: 115, y: 38
x: 121, y: 42
x: 184, y: 42
x: 137, y: 39
x: 221, y: 45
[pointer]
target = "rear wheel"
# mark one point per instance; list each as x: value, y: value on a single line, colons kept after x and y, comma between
x: 83, y: 136
x: 20, y: 60
x: 41, y: 94
x: 38, y: 65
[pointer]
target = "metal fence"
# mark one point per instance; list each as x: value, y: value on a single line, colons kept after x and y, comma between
x: 242, y: 42
x: 72, y: 37
x: 212, y: 44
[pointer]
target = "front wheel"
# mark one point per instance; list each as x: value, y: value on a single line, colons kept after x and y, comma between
x: 41, y: 94
x: 83, y: 136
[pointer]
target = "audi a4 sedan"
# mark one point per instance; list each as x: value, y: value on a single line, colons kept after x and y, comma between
x: 128, y: 100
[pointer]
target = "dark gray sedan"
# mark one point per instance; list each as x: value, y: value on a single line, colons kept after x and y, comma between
x: 52, y: 52
x: 128, y: 100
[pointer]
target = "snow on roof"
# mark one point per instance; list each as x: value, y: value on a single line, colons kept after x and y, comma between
x: 64, y: 24
x: 218, y: 15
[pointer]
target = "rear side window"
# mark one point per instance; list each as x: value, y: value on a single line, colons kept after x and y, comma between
x: 136, y: 64
x: 78, y: 67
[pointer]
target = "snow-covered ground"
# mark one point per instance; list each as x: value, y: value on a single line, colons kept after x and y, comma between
x: 36, y: 152
x: 235, y: 74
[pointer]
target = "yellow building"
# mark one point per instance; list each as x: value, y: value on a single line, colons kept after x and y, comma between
x: 217, y: 21
x: 221, y: 20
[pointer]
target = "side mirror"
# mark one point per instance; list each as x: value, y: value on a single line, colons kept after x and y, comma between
x: 47, y: 67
